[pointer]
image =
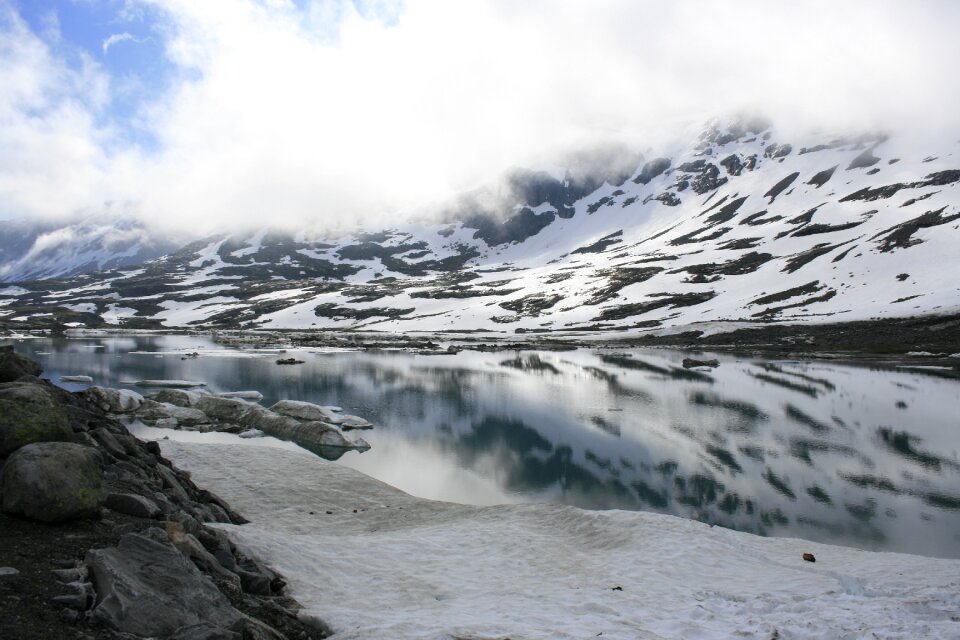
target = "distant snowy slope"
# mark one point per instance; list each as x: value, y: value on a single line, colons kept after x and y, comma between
x: 739, y: 225
x: 31, y: 250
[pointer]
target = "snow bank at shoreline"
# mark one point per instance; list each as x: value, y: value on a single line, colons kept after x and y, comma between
x: 404, y: 567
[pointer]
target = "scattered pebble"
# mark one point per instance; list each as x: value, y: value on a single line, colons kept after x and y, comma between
x: 809, y: 557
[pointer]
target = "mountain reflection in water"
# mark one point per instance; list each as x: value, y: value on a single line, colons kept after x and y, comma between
x: 828, y: 452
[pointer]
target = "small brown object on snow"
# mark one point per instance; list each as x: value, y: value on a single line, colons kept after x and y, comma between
x: 809, y: 557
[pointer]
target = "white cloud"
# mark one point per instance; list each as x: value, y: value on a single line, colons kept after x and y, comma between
x: 51, y: 158
x: 325, y: 114
x: 116, y: 38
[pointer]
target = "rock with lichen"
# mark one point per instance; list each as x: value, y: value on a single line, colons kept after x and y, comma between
x: 53, y: 482
x: 29, y: 413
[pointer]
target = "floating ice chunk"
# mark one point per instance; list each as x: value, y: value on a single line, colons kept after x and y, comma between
x: 251, y: 433
x: 172, y: 384
x: 80, y: 379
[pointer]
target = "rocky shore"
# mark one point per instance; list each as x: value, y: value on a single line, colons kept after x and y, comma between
x: 316, y: 428
x: 102, y: 537
x: 932, y: 333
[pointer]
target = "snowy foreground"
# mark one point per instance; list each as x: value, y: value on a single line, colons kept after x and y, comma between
x: 404, y: 567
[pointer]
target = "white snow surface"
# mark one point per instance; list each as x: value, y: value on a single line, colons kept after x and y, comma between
x: 405, y: 567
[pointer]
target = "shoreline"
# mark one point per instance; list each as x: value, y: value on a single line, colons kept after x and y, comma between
x: 931, y: 340
x: 103, y: 537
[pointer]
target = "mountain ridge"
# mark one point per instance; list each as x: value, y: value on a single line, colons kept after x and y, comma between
x: 738, y: 227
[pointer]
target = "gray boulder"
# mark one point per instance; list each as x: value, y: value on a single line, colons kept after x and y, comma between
x: 305, y: 411
x: 132, y: 505
x: 53, y: 482
x: 146, y: 587
x: 172, y: 483
x: 29, y: 413
x: 319, y: 437
x: 14, y: 366
x: 253, y: 396
x: 109, y: 443
x: 114, y: 400
x: 315, y: 412
x: 152, y: 412
x: 227, y: 409
x: 178, y: 397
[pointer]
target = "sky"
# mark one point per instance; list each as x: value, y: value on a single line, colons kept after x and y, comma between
x: 218, y: 113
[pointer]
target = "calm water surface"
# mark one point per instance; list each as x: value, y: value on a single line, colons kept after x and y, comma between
x: 817, y: 450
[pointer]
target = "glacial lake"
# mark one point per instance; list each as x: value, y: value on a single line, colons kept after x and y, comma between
x: 811, y: 449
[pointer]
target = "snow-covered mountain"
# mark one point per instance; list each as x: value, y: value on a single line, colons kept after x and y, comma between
x: 36, y: 249
x: 739, y: 225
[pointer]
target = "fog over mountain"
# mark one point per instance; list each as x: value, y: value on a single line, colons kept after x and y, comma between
x: 741, y: 225
x: 205, y: 115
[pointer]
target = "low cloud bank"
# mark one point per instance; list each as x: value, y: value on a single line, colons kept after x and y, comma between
x: 327, y: 113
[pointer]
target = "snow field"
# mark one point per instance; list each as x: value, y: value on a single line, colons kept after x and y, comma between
x: 404, y: 567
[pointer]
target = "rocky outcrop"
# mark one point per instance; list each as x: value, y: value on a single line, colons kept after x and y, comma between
x: 314, y: 412
x: 53, y: 482
x: 314, y: 427
x: 145, y: 586
x: 152, y: 412
x: 156, y: 570
x: 304, y: 410
x: 177, y: 397
x: 114, y: 400
x: 14, y: 366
